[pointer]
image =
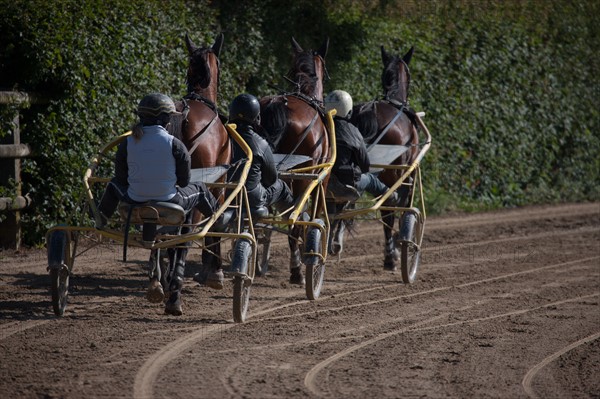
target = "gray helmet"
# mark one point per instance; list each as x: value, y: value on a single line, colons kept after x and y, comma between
x: 339, y: 100
x: 156, y: 106
x: 244, y: 107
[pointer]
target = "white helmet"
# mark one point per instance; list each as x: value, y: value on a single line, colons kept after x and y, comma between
x: 341, y: 101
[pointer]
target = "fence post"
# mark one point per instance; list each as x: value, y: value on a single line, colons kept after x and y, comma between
x: 11, y: 154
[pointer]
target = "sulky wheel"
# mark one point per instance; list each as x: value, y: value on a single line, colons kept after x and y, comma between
x: 241, y: 298
x: 410, y: 253
x: 59, y: 246
x: 315, y: 265
x: 242, y: 256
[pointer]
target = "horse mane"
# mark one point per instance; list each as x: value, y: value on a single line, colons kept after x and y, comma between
x: 304, y: 73
x: 274, y: 122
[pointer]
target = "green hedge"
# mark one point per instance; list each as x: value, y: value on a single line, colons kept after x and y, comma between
x: 510, y: 88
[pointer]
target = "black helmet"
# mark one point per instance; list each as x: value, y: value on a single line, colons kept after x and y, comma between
x: 244, y: 107
x: 156, y: 106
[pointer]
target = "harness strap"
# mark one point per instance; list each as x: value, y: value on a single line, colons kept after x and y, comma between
x: 197, y: 137
x: 197, y: 97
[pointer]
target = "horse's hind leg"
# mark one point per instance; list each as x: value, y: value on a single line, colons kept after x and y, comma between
x: 405, y: 192
x: 392, y: 256
x: 173, y: 305
x: 338, y: 227
x: 296, y: 276
x: 211, y: 261
x: 155, y: 292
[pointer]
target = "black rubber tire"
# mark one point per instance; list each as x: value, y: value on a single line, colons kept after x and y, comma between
x: 240, y: 263
x: 241, y: 299
x: 410, y: 254
x: 58, y: 247
x: 315, y: 267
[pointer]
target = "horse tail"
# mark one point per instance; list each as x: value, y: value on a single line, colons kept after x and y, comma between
x: 365, y: 119
x: 274, y: 120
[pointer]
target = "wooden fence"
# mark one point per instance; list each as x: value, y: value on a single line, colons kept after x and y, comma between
x: 10, y: 168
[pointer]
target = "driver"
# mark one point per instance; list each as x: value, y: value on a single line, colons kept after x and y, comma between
x: 152, y: 165
x: 262, y: 184
x: 352, y: 163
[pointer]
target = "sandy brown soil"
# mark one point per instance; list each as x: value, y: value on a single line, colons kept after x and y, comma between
x: 505, y: 305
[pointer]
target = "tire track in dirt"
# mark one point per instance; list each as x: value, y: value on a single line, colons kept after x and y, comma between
x: 374, y: 226
x: 310, y: 379
x: 148, y: 373
x: 228, y: 382
x: 482, y: 219
x: 420, y: 293
x: 530, y: 375
x: 451, y: 247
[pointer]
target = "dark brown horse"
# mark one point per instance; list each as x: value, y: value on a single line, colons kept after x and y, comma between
x: 200, y: 127
x: 293, y: 122
x: 391, y: 121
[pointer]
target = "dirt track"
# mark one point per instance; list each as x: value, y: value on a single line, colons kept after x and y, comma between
x: 505, y: 305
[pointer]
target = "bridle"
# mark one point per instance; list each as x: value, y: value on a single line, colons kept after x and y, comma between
x: 389, y: 95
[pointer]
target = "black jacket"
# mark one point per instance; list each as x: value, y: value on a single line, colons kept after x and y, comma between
x: 263, y: 172
x: 352, y: 157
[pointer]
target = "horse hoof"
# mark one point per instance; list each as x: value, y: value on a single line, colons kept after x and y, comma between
x: 173, y: 305
x: 390, y: 268
x: 215, y: 280
x: 155, y: 293
x: 296, y: 277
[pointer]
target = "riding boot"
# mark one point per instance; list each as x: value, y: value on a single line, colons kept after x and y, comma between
x: 285, y: 200
x: 173, y: 305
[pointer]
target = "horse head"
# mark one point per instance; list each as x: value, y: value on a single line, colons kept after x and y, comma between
x: 203, y: 68
x: 396, y: 75
x: 308, y: 69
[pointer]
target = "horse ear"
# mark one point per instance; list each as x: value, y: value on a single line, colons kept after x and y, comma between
x: 295, y: 46
x: 188, y: 43
x: 324, y: 47
x: 385, y: 57
x: 406, y: 58
x: 216, y: 47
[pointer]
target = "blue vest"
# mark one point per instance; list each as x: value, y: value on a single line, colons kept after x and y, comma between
x: 151, y: 166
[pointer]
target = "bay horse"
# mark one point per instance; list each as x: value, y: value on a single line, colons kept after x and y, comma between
x: 390, y: 120
x: 200, y: 128
x: 293, y: 123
